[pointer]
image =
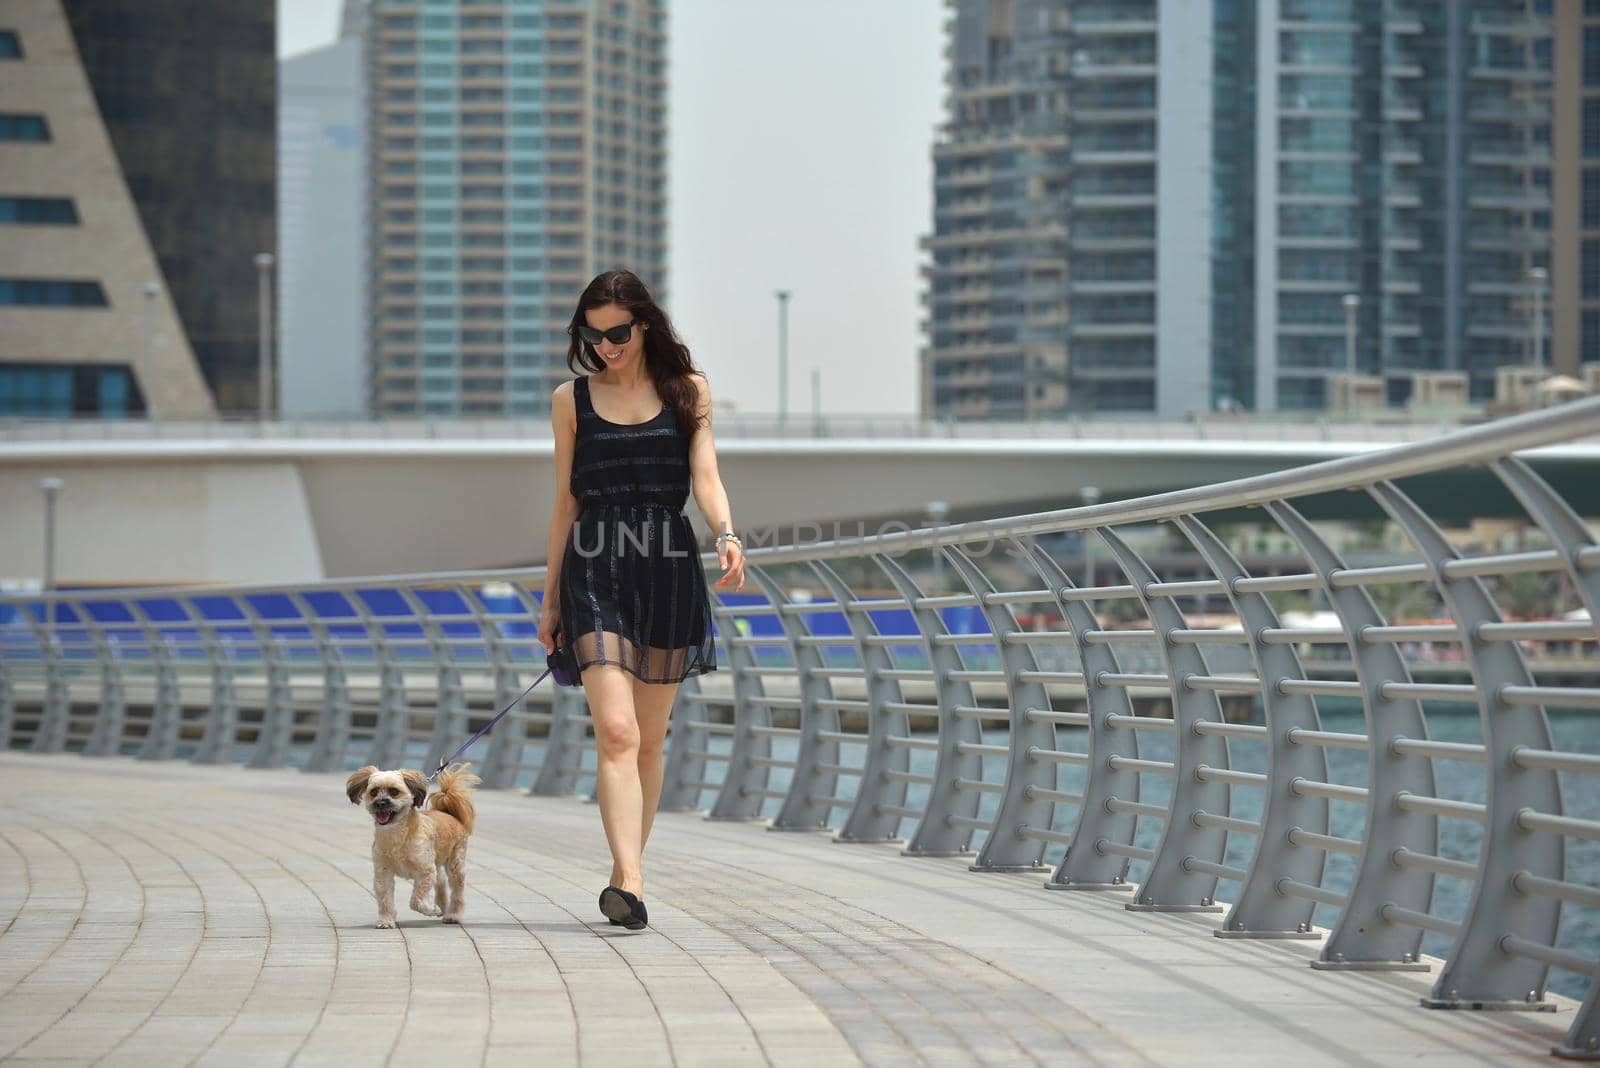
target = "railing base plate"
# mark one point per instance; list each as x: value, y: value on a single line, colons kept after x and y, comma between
x: 1310, y: 936
x: 1573, y: 1053
x: 804, y: 828
x: 735, y: 819
x: 1003, y: 869
x: 1371, y: 966
x: 1490, y: 1005
x: 1134, y: 906
x: 938, y: 852
x: 892, y: 840
x: 1088, y: 886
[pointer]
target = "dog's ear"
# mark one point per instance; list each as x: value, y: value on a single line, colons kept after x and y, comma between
x: 358, y: 782
x: 417, y: 784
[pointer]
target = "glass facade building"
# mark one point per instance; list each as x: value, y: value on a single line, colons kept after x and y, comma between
x: 516, y: 148
x: 1229, y: 174
x: 137, y: 142
x: 187, y: 90
x: 1575, y: 184
x: 996, y: 306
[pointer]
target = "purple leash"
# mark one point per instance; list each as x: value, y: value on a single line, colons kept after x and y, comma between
x: 487, y: 727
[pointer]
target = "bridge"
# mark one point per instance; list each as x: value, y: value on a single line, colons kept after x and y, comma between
x: 992, y: 857
x: 274, y: 502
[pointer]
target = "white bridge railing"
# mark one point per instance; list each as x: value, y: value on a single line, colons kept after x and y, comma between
x: 1001, y: 719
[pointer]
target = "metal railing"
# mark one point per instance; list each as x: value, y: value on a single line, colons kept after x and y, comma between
x: 1319, y: 776
x: 1359, y: 426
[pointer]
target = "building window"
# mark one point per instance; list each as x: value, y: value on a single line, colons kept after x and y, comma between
x: 1591, y: 55
x: 52, y: 292
x: 1589, y: 349
x: 37, y: 210
x: 1591, y: 198
x: 10, y: 45
x: 1591, y: 127
x: 1590, y: 270
x: 23, y: 128
x: 65, y: 390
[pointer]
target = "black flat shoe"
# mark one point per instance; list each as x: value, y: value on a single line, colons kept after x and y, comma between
x: 623, y: 909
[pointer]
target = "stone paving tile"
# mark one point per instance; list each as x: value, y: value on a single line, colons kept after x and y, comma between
x: 144, y: 922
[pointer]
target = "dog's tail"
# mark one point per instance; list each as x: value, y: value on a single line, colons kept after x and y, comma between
x: 455, y: 794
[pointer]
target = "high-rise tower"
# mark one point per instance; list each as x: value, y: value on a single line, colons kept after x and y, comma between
x: 517, y: 148
x: 1177, y: 205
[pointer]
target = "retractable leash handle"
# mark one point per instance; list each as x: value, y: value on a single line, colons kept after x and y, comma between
x: 561, y: 662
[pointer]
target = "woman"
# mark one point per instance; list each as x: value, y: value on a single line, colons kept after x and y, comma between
x: 625, y: 587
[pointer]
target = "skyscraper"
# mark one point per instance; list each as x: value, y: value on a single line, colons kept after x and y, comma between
x: 517, y: 148
x: 1575, y: 185
x: 136, y: 188
x: 322, y: 228
x: 1227, y: 187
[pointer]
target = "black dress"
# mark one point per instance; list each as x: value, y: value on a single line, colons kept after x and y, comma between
x: 633, y: 591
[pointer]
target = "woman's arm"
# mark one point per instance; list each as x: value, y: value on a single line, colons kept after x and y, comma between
x: 564, y: 506
x: 709, y: 492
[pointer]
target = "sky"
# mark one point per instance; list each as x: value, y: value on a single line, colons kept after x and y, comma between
x: 799, y: 158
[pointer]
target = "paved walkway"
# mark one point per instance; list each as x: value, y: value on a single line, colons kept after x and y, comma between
x: 167, y: 914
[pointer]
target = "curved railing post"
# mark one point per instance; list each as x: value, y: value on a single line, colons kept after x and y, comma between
x: 563, y: 745
x: 450, y: 700
x: 1570, y: 536
x: 1566, y: 531
x: 808, y: 803
x: 105, y: 736
x: 333, y: 725
x: 277, y: 712
x: 388, y: 746
x: 1171, y: 885
x: 502, y: 757
x: 1004, y: 848
x: 744, y: 786
x: 936, y: 834
x: 50, y: 736
x: 1479, y: 973
x: 1087, y: 864
x: 166, y: 710
x: 219, y: 733
x: 8, y: 705
x: 1261, y: 911
x: 867, y: 820
x: 684, y: 770
x: 1361, y: 940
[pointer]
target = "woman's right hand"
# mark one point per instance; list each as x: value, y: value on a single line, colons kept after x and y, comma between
x: 549, y: 625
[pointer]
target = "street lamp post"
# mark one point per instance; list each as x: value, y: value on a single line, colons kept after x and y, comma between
x: 1538, y: 276
x: 147, y: 373
x: 783, y: 357
x: 264, y: 261
x: 51, y: 487
x: 1091, y: 497
x: 937, y: 512
x: 1352, y: 305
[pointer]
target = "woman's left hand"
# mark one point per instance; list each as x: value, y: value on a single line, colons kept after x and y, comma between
x: 730, y: 556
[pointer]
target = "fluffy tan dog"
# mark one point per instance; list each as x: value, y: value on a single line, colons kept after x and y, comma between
x: 427, y: 846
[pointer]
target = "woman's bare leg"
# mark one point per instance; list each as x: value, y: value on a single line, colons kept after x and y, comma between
x: 652, y: 703
x: 617, y: 785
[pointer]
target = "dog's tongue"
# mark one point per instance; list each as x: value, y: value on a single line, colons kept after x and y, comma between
x: 385, y: 817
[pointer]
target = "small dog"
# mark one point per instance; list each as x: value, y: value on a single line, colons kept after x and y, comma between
x: 427, y: 846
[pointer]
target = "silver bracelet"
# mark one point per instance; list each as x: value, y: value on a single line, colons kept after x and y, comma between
x: 729, y: 535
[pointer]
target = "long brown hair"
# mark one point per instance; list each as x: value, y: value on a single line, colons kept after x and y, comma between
x: 666, y: 357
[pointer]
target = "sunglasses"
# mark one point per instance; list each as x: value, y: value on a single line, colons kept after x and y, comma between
x: 617, y: 335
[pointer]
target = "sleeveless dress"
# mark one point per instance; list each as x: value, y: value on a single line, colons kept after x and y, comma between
x: 633, y: 591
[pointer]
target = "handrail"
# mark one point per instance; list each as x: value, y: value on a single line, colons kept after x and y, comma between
x: 966, y: 727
